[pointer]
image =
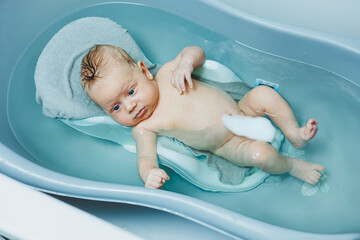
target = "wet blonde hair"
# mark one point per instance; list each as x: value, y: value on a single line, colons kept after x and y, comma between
x: 95, y: 61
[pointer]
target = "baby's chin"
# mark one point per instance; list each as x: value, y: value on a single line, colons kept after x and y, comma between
x: 128, y: 124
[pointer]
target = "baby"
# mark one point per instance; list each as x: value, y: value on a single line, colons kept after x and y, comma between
x: 173, y: 104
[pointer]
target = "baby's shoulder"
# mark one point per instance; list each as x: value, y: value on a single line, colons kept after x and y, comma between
x: 163, y: 76
x: 141, y: 130
x: 168, y: 67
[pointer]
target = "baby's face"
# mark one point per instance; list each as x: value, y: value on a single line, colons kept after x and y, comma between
x: 128, y: 96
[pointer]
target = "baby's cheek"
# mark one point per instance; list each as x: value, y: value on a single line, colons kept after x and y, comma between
x: 121, y: 120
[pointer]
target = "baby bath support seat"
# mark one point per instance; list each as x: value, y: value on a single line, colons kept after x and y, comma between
x: 172, y: 155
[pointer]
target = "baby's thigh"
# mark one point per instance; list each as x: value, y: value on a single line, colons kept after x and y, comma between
x: 243, y: 151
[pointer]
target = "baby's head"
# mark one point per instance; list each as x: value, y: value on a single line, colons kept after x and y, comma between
x: 95, y: 63
x: 125, y: 90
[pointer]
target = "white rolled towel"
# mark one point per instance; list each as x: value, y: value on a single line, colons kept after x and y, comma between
x: 257, y: 128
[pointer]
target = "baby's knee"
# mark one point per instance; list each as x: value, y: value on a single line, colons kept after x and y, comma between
x: 259, y: 97
x: 261, y: 154
x: 263, y: 91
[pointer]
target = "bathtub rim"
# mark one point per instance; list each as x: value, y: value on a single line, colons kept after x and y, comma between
x: 209, y: 215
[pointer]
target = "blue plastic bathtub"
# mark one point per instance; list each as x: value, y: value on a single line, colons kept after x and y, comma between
x: 318, y: 75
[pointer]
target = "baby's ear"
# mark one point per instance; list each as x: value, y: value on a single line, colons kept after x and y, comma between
x: 141, y: 65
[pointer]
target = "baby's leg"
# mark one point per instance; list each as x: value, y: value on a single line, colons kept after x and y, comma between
x: 245, y: 152
x: 263, y: 100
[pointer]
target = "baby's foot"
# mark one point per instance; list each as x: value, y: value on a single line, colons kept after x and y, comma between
x: 306, y: 171
x: 306, y: 133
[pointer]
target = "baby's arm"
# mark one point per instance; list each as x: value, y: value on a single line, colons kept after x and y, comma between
x: 189, y: 59
x: 147, y: 162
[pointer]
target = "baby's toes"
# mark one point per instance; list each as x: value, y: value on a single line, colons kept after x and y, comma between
x: 311, y: 129
x: 314, y: 128
x: 312, y: 122
x: 318, y: 168
x: 313, y: 179
x: 316, y: 173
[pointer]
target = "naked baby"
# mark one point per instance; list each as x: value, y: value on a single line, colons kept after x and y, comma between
x: 173, y: 104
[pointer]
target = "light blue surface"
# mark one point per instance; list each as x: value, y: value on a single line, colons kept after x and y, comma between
x: 329, y: 91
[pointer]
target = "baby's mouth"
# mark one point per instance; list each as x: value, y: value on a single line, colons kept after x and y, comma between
x: 141, y: 113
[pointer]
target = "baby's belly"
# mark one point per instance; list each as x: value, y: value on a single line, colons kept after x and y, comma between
x: 207, y: 138
x: 194, y: 118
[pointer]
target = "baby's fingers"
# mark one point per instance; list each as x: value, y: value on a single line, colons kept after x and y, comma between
x: 162, y: 174
x: 173, y: 81
x: 177, y: 82
x: 189, y: 79
x: 182, y: 83
x: 161, y: 180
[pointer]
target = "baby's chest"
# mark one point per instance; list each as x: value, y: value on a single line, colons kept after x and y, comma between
x: 187, y: 115
x: 197, y: 112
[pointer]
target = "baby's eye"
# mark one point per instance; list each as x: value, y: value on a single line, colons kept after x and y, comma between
x: 116, y: 107
x: 131, y: 92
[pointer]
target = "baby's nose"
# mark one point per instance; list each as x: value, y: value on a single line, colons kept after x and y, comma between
x: 130, y: 106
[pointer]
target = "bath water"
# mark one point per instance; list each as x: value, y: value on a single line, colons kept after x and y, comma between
x: 312, y: 92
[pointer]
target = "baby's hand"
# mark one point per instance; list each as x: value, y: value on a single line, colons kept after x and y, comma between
x: 156, y: 178
x: 182, y: 72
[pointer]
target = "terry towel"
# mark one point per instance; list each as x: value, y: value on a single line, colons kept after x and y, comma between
x: 57, y: 73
